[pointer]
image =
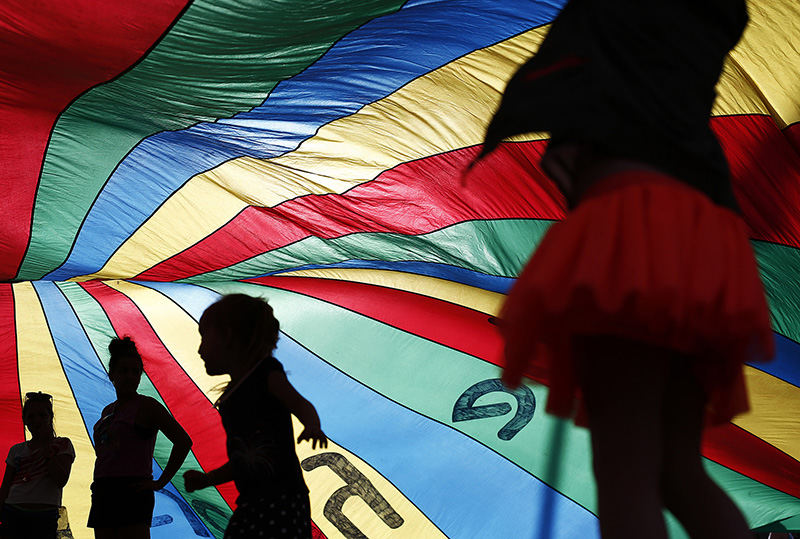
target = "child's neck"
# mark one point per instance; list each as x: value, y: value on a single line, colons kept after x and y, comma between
x: 240, y: 370
x: 127, y: 396
x: 41, y: 439
x: 237, y: 374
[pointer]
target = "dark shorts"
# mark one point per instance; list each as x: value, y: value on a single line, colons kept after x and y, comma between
x: 285, y: 515
x: 23, y: 524
x: 115, y: 502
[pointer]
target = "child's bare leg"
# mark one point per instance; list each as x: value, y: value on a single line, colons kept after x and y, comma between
x: 689, y: 493
x: 623, y: 388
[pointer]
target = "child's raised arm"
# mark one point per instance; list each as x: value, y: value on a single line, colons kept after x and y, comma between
x: 298, y: 405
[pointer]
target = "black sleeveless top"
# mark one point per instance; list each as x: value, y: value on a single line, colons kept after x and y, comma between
x: 633, y: 79
x: 260, y: 438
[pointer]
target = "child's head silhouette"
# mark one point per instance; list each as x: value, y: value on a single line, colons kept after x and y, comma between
x: 37, y: 413
x: 125, y: 367
x: 123, y: 348
x: 237, y: 328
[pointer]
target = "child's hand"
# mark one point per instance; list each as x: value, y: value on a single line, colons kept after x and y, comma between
x: 195, y: 480
x: 314, y: 435
x: 147, y: 485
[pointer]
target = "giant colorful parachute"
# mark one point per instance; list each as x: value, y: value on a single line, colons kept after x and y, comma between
x: 156, y: 154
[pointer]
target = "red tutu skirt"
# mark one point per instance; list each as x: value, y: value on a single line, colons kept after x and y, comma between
x: 647, y: 258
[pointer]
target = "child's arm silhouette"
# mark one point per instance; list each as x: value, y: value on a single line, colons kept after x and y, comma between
x: 58, y: 466
x: 285, y: 392
x: 196, y: 480
x: 8, y: 477
x: 158, y: 417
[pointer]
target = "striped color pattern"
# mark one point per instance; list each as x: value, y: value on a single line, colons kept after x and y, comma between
x: 154, y: 156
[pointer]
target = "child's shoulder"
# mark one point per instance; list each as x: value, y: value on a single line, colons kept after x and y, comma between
x: 109, y: 408
x: 17, y: 449
x: 149, y: 403
x: 63, y: 445
x: 272, y: 364
x: 147, y: 399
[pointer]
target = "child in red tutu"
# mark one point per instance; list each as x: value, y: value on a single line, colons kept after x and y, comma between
x: 642, y: 305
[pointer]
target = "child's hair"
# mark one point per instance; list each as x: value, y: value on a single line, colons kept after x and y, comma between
x: 120, y: 348
x: 248, y: 322
x: 44, y: 398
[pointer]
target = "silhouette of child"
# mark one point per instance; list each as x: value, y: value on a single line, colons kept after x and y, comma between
x: 238, y: 335
x: 124, y: 439
x: 36, y: 472
x: 642, y: 305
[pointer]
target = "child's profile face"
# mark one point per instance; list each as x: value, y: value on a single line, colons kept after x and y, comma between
x: 213, y: 347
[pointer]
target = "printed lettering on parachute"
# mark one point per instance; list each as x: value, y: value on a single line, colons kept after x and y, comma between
x: 155, y: 155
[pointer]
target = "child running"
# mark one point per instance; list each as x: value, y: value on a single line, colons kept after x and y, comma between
x: 36, y: 472
x: 642, y: 305
x: 238, y: 335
